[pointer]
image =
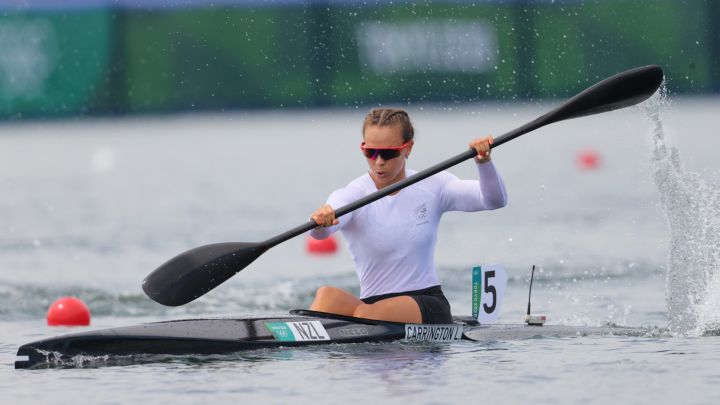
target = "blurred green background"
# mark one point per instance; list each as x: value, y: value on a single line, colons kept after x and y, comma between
x: 88, y: 58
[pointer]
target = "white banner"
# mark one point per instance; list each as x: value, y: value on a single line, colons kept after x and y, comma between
x: 447, y: 46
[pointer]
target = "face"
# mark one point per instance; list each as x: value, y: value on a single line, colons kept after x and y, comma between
x: 386, y: 172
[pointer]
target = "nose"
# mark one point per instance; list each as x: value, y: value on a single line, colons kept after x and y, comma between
x: 379, y: 161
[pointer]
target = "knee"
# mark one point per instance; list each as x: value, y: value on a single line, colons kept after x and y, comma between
x: 327, y: 295
x: 325, y: 292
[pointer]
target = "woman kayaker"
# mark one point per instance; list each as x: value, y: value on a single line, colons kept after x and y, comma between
x: 392, y: 240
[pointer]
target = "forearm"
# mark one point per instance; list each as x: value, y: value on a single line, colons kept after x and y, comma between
x: 492, y: 186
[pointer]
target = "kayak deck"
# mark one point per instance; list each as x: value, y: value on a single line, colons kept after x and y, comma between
x: 300, y: 328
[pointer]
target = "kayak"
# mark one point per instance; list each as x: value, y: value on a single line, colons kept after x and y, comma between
x: 300, y: 328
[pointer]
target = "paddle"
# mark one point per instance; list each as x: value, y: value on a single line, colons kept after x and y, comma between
x: 189, y: 275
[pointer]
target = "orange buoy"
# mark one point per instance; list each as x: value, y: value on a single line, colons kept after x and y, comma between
x: 321, y: 246
x: 68, y: 311
x: 588, y: 159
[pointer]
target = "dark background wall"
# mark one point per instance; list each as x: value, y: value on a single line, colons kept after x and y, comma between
x: 88, y: 57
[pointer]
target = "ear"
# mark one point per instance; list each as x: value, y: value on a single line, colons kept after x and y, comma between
x: 408, y: 149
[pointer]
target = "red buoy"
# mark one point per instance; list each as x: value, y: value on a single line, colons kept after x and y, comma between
x: 321, y: 246
x: 588, y: 159
x: 68, y: 311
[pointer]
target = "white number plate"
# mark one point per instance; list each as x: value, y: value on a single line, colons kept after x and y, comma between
x: 488, y: 289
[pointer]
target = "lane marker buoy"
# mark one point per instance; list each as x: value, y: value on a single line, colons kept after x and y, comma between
x: 321, y: 246
x: 68, y: 311
x: 588, y: 159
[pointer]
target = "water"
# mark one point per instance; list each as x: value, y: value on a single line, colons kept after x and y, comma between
x: 89, y: 208
x: 692, y: 205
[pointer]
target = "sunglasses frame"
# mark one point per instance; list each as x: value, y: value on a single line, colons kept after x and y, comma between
x: 393, y: 150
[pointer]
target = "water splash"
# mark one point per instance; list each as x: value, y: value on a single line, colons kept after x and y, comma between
x: 691, y: 205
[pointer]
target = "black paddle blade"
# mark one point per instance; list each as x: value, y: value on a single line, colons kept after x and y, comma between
x: 622, y: 90
x: 190, y: 275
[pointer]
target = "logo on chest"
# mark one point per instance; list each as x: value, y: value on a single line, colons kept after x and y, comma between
x: 421, y: 214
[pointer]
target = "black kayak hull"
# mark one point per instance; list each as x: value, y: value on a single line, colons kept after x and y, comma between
x: 229, y: 335
x: 202, y: 336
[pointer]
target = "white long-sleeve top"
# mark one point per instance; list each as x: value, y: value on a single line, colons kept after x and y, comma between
x: 392, y: 240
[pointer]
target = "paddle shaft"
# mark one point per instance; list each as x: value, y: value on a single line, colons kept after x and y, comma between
x: 408, y: 181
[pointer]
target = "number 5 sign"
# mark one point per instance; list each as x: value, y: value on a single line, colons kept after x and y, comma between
x: 488, y: 288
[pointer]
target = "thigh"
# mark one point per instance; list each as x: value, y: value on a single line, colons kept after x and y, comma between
x: 396, y: 309
x: 335, y: 300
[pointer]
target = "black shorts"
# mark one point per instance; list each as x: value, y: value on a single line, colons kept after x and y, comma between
x: 434, y: 307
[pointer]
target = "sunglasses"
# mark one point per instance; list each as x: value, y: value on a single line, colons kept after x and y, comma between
x: 385, y: 153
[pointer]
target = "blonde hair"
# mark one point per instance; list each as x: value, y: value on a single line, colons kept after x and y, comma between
x: 390, y: 116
